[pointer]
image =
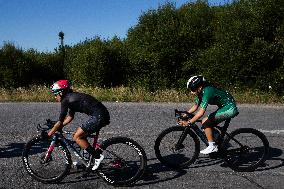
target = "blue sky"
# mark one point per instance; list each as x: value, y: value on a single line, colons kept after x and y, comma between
x: 36, y: 23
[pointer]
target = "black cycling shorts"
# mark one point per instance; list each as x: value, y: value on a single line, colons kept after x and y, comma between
x: 95, y: 123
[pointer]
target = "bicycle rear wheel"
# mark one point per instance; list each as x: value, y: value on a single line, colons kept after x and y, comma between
x: 246, y: 149
x: 124, y: 161
x: 171, y: 155
x: 54, y: 169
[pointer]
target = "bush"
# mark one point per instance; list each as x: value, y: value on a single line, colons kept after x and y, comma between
x: 96, y: 63
x: 15, y: 67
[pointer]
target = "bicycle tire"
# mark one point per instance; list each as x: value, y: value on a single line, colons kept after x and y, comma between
x: 117, y: 168
x: 249, y: 157
x: 54, y: 170
x: 165, y: 150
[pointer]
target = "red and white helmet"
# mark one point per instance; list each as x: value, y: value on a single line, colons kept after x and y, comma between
x: 60, y: 86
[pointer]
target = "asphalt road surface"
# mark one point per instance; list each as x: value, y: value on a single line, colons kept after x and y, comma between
x: 142, y: 122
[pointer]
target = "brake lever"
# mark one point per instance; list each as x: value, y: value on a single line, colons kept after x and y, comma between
x: 183, y: 115
x: 49, y: 123
x: 38, y: 127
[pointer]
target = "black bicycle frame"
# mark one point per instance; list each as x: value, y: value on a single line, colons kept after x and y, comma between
x: 196, y: 130
x: 59, y: 136
x: 202, y: 135
x: 199, y: 133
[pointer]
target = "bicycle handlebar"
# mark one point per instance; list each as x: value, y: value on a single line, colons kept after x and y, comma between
x: 49, y: 124
x: 184, y: 115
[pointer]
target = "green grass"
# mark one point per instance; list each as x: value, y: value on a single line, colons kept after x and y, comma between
x: 127, y: 94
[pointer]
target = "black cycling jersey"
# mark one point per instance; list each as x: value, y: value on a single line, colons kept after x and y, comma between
x: 80, y: 102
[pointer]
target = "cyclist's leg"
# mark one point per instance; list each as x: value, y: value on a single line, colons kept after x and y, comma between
x: 212, y: 120
x: 220, y: 115
x: 94, y: 124
x: 91, y: 126
x: 207, y: 125
x: 80, y: 137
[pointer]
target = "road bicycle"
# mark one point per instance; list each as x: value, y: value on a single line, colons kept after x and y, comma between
x: 50, y: 160
x: 244, y: 149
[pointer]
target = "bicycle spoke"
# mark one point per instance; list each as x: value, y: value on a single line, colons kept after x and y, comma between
x: 43, y: 165
x: 246, y: 150
x: 176, y: 153
x: 124, y: 162
x: 122, y: 168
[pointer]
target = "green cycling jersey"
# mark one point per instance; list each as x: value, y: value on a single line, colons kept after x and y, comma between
x: 214, y: 96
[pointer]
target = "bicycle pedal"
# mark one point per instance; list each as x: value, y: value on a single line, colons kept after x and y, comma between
x: 88, y: 170
x: 214, y: 155
x: 80, y: 166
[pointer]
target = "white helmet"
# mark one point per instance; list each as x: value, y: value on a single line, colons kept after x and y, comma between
x: 194, y: 82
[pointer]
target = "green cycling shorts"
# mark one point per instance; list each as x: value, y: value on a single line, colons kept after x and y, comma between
x: 223, y: 113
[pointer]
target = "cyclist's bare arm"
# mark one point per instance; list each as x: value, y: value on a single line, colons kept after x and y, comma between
x: 198, y: 115
x: 67, y: 120
x: 60, y: 125
x: 193, y: 109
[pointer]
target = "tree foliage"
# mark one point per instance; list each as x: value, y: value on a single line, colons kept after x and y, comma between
x: 96, y: 62
x: 238, y: 44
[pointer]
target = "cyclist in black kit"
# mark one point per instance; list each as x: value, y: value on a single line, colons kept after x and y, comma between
x: 72, y: 102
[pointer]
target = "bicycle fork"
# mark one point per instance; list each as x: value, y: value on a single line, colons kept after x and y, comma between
x: 47, y: 156
x: 179, y: 144
x: 197, y: 131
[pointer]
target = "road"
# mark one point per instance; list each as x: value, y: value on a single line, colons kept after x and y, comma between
x: 143, y: 122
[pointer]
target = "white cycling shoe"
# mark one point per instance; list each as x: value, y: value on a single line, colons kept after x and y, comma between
x: 209, y: 149
x: 98, y: 162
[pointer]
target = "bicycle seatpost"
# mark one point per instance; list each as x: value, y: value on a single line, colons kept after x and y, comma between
x: 226, y: 125
x: 95, y: 143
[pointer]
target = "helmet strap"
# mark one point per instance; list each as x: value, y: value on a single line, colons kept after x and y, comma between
x: 63, y: 93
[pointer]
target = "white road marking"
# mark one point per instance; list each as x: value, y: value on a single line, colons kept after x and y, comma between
x: 278, y: 132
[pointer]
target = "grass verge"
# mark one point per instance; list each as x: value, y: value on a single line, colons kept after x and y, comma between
x: 127, y: 94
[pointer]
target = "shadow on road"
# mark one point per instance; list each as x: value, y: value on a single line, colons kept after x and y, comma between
x: 151, y: 176
x: 12, y: 150
x: 154, y: 171
x: 274, y: 156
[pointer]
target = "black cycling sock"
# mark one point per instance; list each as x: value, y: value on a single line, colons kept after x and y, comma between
x: 98, y: 153
x: 91, y: 150
x: 95, y: 153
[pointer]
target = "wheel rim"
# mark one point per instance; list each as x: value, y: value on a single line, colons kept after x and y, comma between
x: 122, y: 164
x: 247, y: 157
x: 176, y: 156
x: 52, y: 169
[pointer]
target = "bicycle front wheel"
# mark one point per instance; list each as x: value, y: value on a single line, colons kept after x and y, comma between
x: 174, y: 156
x: 124, y: 161
x: 47, y: 170
x: 245, y: 149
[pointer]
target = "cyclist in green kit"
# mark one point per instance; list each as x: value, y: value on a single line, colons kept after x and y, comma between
x: 207, y: 94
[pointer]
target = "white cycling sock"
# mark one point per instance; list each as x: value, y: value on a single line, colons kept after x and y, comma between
x: 211, y: 143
